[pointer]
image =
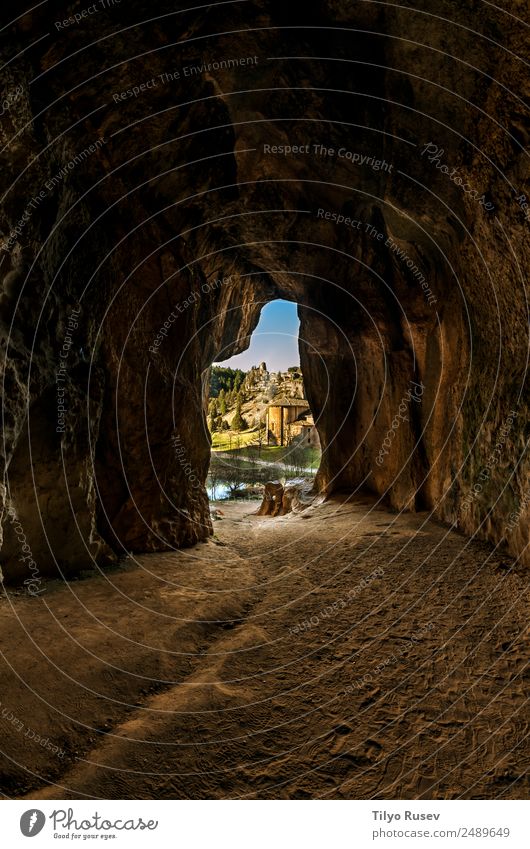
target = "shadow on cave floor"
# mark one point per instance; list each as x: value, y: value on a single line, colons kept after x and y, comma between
x: 341, y: 652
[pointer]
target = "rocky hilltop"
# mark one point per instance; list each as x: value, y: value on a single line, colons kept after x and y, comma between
x: 249, y: 394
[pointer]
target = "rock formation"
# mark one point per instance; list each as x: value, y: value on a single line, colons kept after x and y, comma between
x: 272, y: 502
x: 165, y: 179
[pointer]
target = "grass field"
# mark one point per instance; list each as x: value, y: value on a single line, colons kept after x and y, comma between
x: 245, y: 445
x: 227, y: 440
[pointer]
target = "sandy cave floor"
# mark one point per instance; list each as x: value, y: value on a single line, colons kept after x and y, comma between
x: 192, y: 674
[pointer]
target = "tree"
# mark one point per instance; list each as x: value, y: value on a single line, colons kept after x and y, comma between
x: 222, y: 403
x: 222, y: 377
x: 214, y: 478
x: 233, y: 475
x: 297, y: 457
x: 238, y: 422
x: 260, y: 436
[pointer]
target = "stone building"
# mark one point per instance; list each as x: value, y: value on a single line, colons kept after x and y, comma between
x: 289, y: 419
x: 304, y: 430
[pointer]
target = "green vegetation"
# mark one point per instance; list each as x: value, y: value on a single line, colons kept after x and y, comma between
x: 226, y: 440
x: 292, y: 455
x: 245, y: 446
x: 225, y: 379
x: 238, y: 422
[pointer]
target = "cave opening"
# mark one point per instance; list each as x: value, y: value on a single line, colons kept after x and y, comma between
x: 260, y: 423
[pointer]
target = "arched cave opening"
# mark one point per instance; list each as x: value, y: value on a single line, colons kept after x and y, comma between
x: 259, y: 419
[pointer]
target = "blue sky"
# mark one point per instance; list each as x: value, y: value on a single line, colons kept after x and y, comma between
x: 274, y: 341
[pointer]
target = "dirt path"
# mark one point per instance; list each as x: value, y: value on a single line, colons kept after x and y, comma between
x: 345, y: 652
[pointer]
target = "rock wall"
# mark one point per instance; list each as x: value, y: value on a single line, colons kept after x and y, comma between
x: 163, y: 181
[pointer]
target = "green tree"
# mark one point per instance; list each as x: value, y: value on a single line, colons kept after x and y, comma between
x: 238, y: 422
x: 222, y: 377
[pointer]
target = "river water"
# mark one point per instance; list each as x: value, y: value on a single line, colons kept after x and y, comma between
x: 237, y: 477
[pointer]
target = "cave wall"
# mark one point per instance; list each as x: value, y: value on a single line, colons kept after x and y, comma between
x: 166, y: 238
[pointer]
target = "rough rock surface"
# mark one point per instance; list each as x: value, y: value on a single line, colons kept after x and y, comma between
x: 181, y: 208
x: 295, y: 496
x: 272, y: 500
